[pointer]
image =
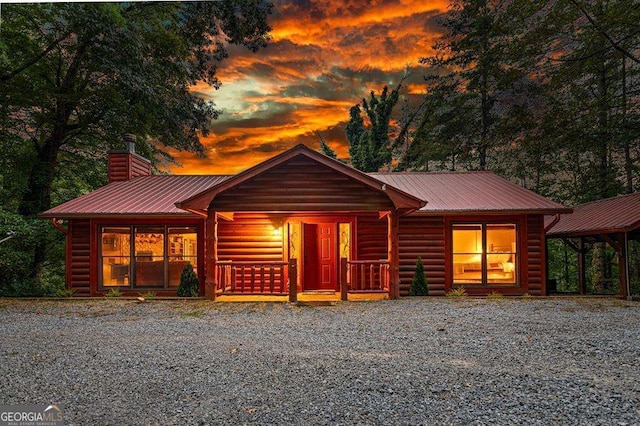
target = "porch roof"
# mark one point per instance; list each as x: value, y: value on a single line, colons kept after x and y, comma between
x: 470, y: 192
x: 607, y: 216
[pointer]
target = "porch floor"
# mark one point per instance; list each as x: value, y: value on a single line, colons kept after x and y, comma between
x: 310, y: 296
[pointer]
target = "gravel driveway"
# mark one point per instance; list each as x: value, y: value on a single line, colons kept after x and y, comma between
x: 411, y: 361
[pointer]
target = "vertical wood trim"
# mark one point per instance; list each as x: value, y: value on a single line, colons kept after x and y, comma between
x: 393, y: 254
x: 582, y: 275
x: 211, y: 226
x: 94, y: 230
x: 622, y: 264
x: 343, y: 278
x: 68, y: 253
x: 543, y: 254
x: 522, y: 253
x: 293, y: 279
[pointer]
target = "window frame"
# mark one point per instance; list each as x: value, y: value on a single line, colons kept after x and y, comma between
x: 484, y: 254
x: 132, y: 227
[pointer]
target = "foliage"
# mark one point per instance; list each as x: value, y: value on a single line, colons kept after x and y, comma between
x: 75, y: 76
x: 457, y: 292
x: 495, y: 295
x: 147, y: 294
x: 114, y: 292
x: 15, y: 254
x: 325, y: 148
x: 370, y: 144
x: 419, y: 285
x: 189, y: 283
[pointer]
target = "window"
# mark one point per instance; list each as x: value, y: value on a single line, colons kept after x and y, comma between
x: 484, y: 253
x: 146, y: 256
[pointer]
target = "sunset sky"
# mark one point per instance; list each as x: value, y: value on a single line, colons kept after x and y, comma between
x: 324, y: 57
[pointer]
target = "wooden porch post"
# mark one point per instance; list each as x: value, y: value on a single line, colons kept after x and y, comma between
x: 343, y: 278
x: 393, y: 254
x: 211, y: 255
x: 623, y: 254
x: 293, y: 280
x: 582, y: 274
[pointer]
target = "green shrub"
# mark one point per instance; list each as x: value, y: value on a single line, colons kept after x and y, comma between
x: 147, y: 294
x: 189, y: 284
x: 419, y: 284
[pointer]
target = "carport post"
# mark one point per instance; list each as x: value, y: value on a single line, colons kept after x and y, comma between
x: 582, y: 275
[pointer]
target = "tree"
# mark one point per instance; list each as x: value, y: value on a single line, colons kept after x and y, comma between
x: 189, y: 284
x: 419, y: 283
x: 75, y: 76
x: 469, y: 66
x: 324, y: 148
x: 370, y: 146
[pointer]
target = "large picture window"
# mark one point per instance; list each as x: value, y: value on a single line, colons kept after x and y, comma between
x: 484, y: 254
x: 146, y: 256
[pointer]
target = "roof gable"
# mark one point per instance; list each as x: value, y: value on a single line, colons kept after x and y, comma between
x: 401, y: 200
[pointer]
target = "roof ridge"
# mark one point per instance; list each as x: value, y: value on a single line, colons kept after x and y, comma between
x: 435, y: 172
x: 608, y: 199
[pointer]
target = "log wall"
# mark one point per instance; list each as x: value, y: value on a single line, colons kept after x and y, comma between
x: 422, y: 236
x: 301, y: 185
x: 79, y: 261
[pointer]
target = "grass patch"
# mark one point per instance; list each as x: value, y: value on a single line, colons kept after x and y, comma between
x: 192, y: 314
x: 147, y: 294
x: 495, y: 295
x: 114, y: 292
x: 458, y: 292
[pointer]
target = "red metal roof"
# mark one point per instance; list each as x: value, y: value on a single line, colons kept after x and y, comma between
x: 445, y: 192
x: 617, y: 214
x: 151, y: 195
x: 459, y: 192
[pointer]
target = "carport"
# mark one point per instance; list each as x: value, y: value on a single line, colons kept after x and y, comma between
x: 614, y: 220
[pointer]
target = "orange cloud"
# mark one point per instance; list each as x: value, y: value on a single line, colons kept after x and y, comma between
x: 324, y: 57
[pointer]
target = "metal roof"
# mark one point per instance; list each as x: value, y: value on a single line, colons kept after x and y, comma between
x: 445, y: 192
x: 460, y: 192
x: 150, y: 195
x: 610, y: 215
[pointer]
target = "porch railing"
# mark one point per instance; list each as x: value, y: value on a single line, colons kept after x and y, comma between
x: 252, y: 278
x: 364, y: 276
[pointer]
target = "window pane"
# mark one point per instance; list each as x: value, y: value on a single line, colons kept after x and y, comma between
x: 501, y: 254
x: 183, y: 249
x: 149, y: 254
x: 467, y: 254
x: 115, y: 250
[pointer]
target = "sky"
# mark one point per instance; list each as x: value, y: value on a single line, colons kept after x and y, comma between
x: 324, y: 57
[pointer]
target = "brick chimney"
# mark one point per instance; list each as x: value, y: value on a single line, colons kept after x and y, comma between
x: 125, y: 165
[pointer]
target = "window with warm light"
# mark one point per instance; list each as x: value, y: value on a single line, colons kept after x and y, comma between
x: 146, y: 256
x: 484, y: 254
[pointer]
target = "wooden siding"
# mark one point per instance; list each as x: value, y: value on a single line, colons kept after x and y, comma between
x: 301, y: 184
x: 371, y: 238
x: 535, y: 265
x: 249, y: 237
x: 79, y: 264
x: 425, y: 237
x: 123, y: 166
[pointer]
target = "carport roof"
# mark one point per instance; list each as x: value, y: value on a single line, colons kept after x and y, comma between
x: 607, y: 216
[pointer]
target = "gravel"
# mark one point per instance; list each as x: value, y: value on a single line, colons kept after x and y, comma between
x: 410, y: 361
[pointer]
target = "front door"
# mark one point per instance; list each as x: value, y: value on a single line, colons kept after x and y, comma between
x: 320, y: 257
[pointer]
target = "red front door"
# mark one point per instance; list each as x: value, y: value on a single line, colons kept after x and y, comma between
x: 320, y: 256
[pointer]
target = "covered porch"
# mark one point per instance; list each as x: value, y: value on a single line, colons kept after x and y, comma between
x: 301, y: 225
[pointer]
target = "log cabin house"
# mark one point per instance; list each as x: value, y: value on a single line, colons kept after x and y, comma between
x: 302, y: 223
